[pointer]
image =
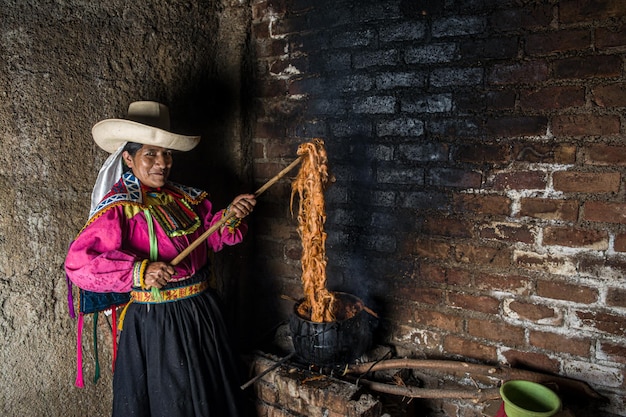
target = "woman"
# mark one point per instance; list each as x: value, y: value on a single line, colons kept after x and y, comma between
x: 173, y: 357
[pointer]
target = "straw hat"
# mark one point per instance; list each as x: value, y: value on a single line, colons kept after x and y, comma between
x: 148, y: 123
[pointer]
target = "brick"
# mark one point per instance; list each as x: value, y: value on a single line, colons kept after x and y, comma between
x: 434, y: 103
x: 604, y: 322
x: 472, y: 302
x: 536, y: 152
x: 531, y: 16
x: 458, y: 26
x: 599, y: 211
x: 389, y: 80
x: 351, y: 128
x: 609, y: 351
x: 333, y: 61
x: 424, y: 200
x: 577, y: 11
x: 585, y: 125
x: 515, y: 284
x: 422, y: 152
x: 353, y: 39
x: 598, y: 66
x: 447, y: 227
x: 431, y: 273
x: 605, y: 267
x: 374, y: 105
x: 454, y: 345
x: 583, y: 370
x: 519, y: 180
x: 530, y: 360
x: 327, y: 106
x: 508, y: 232
x: 258, y: 151
x: 619, y: 243
x: 576, y: 238
x: 527, y: 72
x: 425, y: 340
x: 431, y: 248
x: 610, y: 37
x: 558, y: 290
x: 451, y: 177
x: 549, y: 209
x: 558, y: 41
x: 377, y: 58
x: 271, y: 47
x: 616, y: 297
x: 482, y: 255
x: 552, y: 98
x: 483, y: 153
x: 604, y: 155
x: 560, y: 343
x: 544, y: 263
x: 431, y: 54
x: 260, y: 30
x: 288, y: 25
x: 476, y: 101
x: 399, y: 175
x: 611, y: 95
x: 403, y: 127
x: 458, y: 277
x: 537, y: 313
x: 446, y: 77
x: 269, y: 130
x: 405, y: 31
x: 272, y: 89
x: 410, y: 291
x: 497, y: 331
x: 439, y: 321
x: 586, y: 182
x: 506, y: 126
x: 453, y: 127
x: 493, y: 48
x: 356, y: 83
x: 482, y: 204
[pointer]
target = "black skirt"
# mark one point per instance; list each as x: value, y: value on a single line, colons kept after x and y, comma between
x: 175, y: 360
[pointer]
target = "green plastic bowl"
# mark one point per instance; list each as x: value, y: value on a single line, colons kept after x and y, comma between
x: 529, y: 399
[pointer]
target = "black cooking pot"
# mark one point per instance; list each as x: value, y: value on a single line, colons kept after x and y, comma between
x: 333, y: 343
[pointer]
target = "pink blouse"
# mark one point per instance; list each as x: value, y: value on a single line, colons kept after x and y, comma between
x: 104, y: 255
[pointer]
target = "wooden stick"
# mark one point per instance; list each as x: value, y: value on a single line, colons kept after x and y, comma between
x: 268, y: 370
x: 223, y: 220
x: 477, y: 371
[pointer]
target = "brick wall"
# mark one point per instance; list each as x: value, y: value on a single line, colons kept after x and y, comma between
x: 478, y: 148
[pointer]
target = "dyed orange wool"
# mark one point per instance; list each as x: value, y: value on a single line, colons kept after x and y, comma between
x: 309, y: 184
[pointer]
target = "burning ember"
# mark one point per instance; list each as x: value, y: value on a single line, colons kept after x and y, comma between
x: 320, y: 305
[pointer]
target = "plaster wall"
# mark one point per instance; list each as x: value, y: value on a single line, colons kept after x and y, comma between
x: 64, y: 65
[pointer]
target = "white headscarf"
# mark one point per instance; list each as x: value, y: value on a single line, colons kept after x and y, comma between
x: 108, y: 175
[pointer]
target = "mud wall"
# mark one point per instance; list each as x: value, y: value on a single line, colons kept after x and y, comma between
x: 64, y: 65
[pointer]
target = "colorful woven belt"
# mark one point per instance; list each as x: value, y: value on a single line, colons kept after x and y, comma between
x: 173, y: 294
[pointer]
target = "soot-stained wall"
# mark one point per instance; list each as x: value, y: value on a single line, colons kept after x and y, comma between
x: 65, y: 65
x: 478, y: 149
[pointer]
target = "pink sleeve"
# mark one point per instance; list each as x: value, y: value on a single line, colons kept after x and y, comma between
x: 96, y: 261
x: 221, y: 237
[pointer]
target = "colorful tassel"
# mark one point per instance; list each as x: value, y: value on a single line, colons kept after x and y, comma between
x: 70, y: 297
x: 80, y: 383
x: 114, y: 336
x: 96, y: 375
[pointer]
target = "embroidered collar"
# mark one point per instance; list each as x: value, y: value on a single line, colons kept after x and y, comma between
x: 128, y: 190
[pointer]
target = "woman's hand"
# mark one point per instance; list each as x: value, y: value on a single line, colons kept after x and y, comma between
x: 158, y: 274
x: 242, y: 205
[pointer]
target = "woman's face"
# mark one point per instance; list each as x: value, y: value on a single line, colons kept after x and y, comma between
x: 151, y: 165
